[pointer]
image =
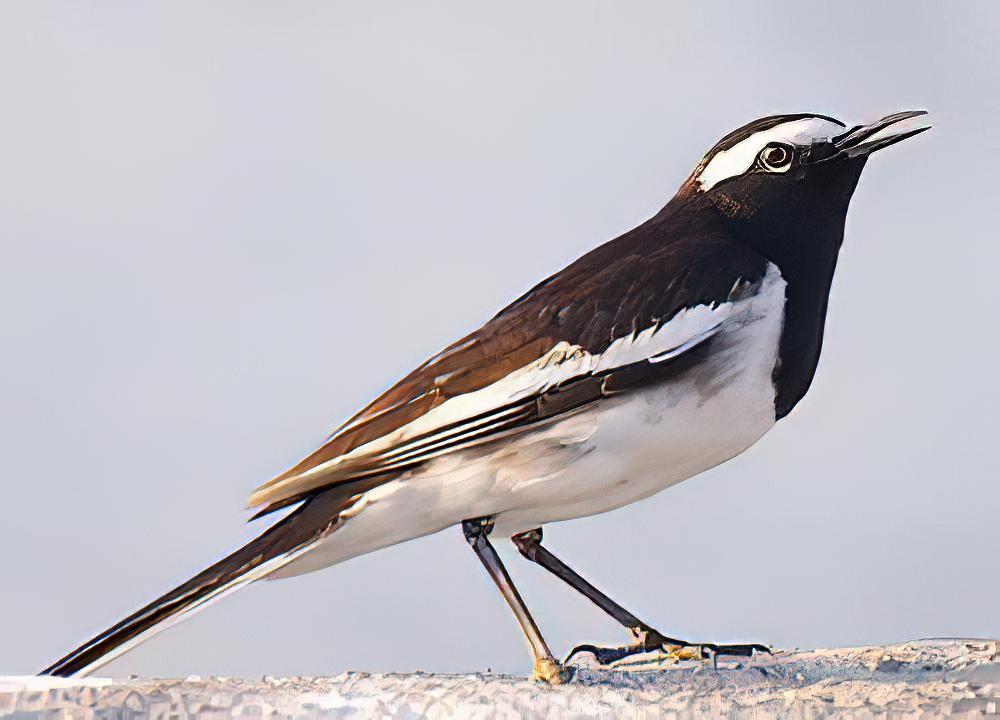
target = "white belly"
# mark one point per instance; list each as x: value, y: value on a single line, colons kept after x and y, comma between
x: 616, y: 452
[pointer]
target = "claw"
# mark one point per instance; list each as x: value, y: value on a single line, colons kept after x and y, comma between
x: 603, y: 655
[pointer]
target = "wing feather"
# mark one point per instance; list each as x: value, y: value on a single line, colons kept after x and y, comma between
x: 645, y: 299
x: 560, y: 382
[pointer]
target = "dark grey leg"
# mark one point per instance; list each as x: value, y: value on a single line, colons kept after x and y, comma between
x: 546, y: 668
x: 529, y: 544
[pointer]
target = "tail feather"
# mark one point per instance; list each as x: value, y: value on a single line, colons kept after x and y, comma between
x: 316, y: 518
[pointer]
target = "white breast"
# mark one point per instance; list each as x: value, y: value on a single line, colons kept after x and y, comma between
x: 640, y: 443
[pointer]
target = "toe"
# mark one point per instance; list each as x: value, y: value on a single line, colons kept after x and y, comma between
x: 548, y: 670
x: 633, y: 657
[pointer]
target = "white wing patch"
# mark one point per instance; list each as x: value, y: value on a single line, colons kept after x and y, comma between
x: 740, y: 157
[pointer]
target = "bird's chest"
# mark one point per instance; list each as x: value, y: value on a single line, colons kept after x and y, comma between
x: 632, y: 446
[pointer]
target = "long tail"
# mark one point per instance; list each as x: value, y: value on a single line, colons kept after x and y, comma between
x: 316, y: 518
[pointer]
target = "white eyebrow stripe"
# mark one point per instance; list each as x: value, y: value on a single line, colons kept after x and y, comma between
x: 740, y: 157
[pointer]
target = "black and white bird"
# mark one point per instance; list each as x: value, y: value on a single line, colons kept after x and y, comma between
x: 650, y: 359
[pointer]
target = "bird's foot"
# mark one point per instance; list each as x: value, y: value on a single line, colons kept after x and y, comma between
x: 551, y: 671
x: 653, y: 651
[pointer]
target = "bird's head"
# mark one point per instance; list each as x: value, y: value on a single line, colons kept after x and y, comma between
x: 784, y: 182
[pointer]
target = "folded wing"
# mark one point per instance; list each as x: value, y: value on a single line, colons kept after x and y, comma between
x: 624, y: 315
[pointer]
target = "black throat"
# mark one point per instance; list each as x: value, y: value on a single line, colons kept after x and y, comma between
x: 807, y: 295
x: 799, y: 226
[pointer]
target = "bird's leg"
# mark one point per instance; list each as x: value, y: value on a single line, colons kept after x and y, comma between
x: 546, y: 668
x: 647, y: 639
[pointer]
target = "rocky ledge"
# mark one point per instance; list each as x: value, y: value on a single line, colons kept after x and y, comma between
x: 928, y: 678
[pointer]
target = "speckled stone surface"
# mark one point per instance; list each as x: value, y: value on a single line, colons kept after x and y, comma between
x: 941, y: 678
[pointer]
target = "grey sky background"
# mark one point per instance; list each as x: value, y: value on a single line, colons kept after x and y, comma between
x: 226, y: 226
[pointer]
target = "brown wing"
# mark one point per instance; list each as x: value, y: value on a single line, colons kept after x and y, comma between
x: 639, y: 280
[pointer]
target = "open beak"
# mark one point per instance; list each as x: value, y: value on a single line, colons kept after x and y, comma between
x: 863, y: 140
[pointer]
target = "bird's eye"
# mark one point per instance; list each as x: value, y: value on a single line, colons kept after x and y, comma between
x: 776, y: 157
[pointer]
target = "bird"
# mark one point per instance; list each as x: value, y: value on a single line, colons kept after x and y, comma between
x: 652, y: 358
